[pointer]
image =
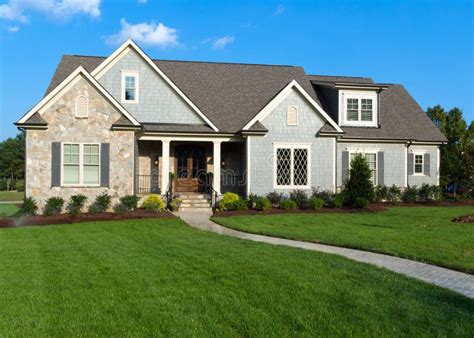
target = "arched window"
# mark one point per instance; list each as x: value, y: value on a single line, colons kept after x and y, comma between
x: 82, y: 106
x: 292, y: 116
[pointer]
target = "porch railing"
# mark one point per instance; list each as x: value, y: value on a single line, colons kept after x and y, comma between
x: 149, y: 184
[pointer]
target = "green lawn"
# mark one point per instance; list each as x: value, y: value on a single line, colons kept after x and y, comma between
x: 420, y: 233
x: 163, y: 278
x: 15, y: 196
x: 9, y: 209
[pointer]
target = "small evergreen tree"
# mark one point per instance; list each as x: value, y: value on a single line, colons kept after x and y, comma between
x: 359, y: 184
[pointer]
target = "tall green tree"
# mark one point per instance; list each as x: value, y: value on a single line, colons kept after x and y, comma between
x: 457, y: 155
x: 12, y: 158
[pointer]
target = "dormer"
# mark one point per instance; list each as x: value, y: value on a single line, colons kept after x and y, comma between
x: 352, y: 104
x: 358, y: 104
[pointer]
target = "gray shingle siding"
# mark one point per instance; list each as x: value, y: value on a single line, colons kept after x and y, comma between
x: 157, y: 101
x: 394, y: 160
x: 322, y: 149
x: 418, y: 180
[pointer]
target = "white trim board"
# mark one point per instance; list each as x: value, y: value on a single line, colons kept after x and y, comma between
x: 281, y: 96
x: 68, y: 83
x: 122, y: 51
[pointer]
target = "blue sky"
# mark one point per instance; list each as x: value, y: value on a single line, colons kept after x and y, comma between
x: 425, y: 45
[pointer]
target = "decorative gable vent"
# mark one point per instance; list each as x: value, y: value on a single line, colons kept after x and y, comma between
x: 82, y: 106
x: 292, y: 116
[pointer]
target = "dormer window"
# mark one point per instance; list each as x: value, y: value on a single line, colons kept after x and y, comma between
x: 358, y: 108
x: 129, y: 87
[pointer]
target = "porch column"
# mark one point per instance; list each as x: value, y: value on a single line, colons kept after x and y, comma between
x: 216, y: 161
x: 165, y: 166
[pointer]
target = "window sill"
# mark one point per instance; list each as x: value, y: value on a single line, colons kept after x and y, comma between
x: 418, y: 175
x: 292, y: 187
x: 129, y: 101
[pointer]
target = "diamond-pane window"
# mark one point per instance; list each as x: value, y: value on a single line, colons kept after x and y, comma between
x: 284, y: 166
x: 292, y: 166
x: 300, y: 165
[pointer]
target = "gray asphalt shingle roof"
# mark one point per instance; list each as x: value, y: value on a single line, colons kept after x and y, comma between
x: 231, y: 94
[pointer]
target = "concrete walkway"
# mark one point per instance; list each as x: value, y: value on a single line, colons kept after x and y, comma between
x: 453, y: 280
x: 11, y: 202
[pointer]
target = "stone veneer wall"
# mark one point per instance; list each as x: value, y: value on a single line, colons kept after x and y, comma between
x: 63, y: 126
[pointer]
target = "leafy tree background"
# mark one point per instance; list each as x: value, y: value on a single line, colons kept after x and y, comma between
x: 12, y: 158
x: 457, y: 156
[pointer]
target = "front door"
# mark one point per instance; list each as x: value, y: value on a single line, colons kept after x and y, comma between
x: 190, y: 168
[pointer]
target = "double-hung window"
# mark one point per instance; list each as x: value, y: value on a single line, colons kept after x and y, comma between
x: 418, y: 164
x: 358, y: 108
x: 81, y: 164
x: 292, y: 166
x: 129, y: 87
x: 371, y: 159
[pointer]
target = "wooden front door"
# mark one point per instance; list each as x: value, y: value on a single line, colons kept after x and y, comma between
x: 190, y: 168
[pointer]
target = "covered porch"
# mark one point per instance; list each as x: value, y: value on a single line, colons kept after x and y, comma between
x: 190, y: 164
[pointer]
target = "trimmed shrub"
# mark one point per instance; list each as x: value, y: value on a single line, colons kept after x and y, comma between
x: 300, y: 198
x: 393, y: 194
x: 410, y: 194
x: 316, y: 203
x: 120, y: 209
x: 263, y: 204
x: 359, y: 183
x: 76, y: 203
x: 130, y: 202
x: 241, y: 204
x: 338, y: 200
x: 428, y: 193
x: 380, y: 192
x: 53, y: 206
x: 174, y: 204
x: 251, y: 201
x: 361, y: 203
x: 288, y: 204
x: 153, y: 203
x: 326, y: 195
x: 228, y: 201
x: 29, y: 206
x: 101, y: 204
x: 275, y: 198
x: 20, y: 185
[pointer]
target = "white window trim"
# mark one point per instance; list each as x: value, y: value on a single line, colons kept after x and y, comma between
x: 291, y: 146
x: 359, y: 95
x: 135, y: 74
x: 81, y: 165
x: 87, y: 108
x: 288, y: 116
x: 363, y: 152
x: 422, y: 164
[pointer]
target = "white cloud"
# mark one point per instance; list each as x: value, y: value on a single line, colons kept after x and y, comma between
x: 13, y: 29
x: 222, y: 42
x: 142, y: 2
x: 17, y: 10
x: 151, y: 34
x: 280, y: 9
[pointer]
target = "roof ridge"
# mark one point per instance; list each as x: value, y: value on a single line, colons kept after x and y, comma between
x: 194, y: 61
x: 352, y: 77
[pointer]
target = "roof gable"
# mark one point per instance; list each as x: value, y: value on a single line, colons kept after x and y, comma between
x: 65, y: 85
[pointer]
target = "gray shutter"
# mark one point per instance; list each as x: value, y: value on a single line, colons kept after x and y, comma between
x: 380, y: 168
x: 426, y: 164
x: 410, y: 163
x: 345, y: 166
x: 104, y: 164
x: 56, y: 164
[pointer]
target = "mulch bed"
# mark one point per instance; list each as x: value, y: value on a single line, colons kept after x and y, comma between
x: 68, y: 219
x: 374, y: 207
x: 464, y: 219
